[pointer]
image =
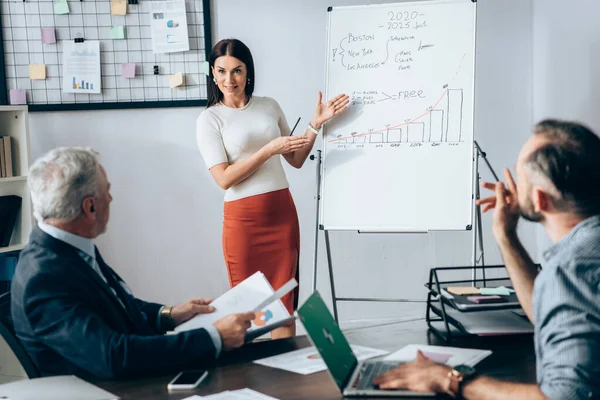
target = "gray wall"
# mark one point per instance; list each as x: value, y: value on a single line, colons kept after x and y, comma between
x: 164, y: 237
x: 567, y: 65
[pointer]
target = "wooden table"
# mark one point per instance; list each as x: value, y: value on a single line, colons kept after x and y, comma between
x: 513, y: 359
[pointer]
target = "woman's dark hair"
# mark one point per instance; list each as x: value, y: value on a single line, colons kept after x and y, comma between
x: 234, y: 48
x: 571, y: 161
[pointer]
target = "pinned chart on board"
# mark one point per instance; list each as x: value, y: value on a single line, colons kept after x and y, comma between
x: 169, y: 26
x: 400, y: 159
x: 173, y: 39
x: 81, y: 72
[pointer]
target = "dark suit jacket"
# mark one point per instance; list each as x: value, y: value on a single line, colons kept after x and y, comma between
x: 70, y: 322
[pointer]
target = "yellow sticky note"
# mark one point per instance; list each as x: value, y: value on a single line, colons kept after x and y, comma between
x: 37, y: 71
x: 175, y: 80
x: 463, y: 290
x: 118, y: 7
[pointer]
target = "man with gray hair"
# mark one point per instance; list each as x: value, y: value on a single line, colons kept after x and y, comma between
x: 72, y: 312
x: 558, y: 185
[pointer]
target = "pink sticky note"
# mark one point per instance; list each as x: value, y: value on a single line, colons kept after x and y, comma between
x: 438, y: 357
x: 48, y: 35
x: 17, y: 96
x: 128, y: 70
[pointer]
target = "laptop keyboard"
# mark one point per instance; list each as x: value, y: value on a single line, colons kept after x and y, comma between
x: 370, y: 370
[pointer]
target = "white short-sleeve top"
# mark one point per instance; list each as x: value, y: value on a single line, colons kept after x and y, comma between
x: 229, y: 135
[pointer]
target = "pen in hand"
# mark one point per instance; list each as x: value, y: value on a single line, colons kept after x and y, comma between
x: 293, y: 129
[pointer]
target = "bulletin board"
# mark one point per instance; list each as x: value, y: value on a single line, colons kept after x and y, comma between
x: 23, y: 45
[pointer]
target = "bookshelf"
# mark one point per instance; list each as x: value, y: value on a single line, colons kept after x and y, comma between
x: 14, y: 122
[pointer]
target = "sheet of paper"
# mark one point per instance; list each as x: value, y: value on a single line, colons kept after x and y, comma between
x: 462, y: 290
x: 48, y: 35
x: 308, y: 361
x: 458, y: 356
x: 61, y: 7
x: 243, y: 298
x: 499, y: 291
x: 437, y: 357
x: 54, y: 388
x: 169, y: 26
x: 81, y: 67
x: 175, y: 80
x: 128, y: 70
x: 205, y: 67
x: 18, y: 96
x: 118, y: 7
x: 242, y: 394
x: 117, y: 32
x: 37, y: 71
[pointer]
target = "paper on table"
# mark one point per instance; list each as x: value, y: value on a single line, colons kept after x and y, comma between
x: 244, y: 297
x: 117, y: 32
x: 175, y: 80
x: 17, y: 96
x: 37, y: 71
x: 499, y: 291
x: 242, y: 394
x: 118, y: 7
x: 460, y: 290
x: 458, y: 356
x: 437, y: 357
x: 308, y: 361
x: 61, y: 7
x: 128, y: 70
x: 54, y: 388
x: 48, y: 35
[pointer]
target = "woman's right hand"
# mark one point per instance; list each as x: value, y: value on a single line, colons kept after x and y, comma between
x: 286, y: 144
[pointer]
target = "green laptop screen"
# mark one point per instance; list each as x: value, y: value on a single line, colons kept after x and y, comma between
x: 328, y: 338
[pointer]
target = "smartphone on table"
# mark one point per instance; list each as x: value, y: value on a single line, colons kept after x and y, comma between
x: 186, y: 380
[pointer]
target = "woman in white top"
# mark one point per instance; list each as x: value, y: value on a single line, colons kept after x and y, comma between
x: 241, y: 137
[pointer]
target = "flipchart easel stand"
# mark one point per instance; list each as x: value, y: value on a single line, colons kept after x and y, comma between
x: 478, y: 250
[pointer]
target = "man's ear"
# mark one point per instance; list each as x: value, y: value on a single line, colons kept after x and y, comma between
x: 541, y: 200
x: 88, y: 206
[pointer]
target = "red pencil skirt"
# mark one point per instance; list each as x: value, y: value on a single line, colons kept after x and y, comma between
x: 261, y: 233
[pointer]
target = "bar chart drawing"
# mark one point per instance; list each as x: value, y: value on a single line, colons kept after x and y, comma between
x: 454, y: 115
x: 394, y: 135
x: 436, y: 125
x: 442, y: 122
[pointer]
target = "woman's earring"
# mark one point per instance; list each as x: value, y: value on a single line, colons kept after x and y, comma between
x: 248, y: 80
x: 214, y: 80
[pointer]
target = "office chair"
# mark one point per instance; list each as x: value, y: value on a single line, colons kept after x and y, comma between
x: 8, y: 334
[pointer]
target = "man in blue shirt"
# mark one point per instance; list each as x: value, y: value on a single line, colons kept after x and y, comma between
x: 72, y: 312
x: 558, y: 185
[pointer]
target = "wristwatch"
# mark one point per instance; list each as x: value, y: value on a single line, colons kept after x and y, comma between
x: 458, y: 377
x: 166, y: 320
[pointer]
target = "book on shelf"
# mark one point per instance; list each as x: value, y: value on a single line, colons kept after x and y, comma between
x: 8, y: 155
x: 6, y: 163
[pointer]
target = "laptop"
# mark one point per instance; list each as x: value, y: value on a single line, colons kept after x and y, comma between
x: 353, y: 378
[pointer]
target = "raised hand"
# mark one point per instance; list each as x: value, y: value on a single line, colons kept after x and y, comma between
x: 325, y: 111
x: 505, y: 204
